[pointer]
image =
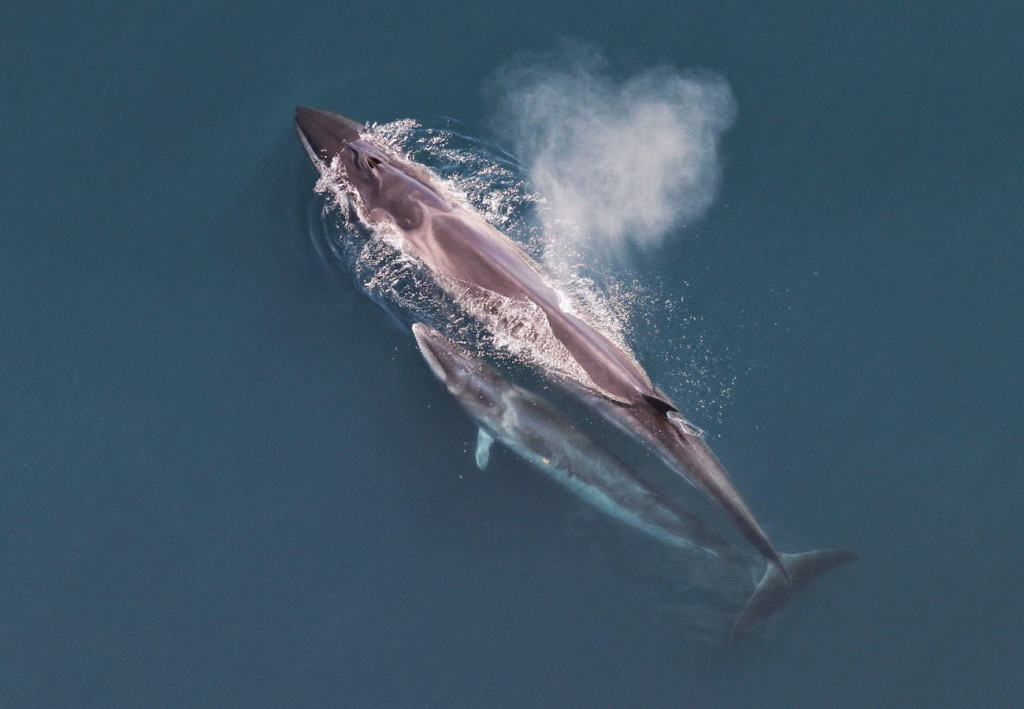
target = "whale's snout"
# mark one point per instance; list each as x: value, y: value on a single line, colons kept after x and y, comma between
x: 324, y: 134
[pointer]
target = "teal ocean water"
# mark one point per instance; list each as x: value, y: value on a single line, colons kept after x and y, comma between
x: 228, y: 479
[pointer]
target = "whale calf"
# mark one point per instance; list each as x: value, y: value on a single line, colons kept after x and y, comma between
x: 545, y: 437
x: 472, y: 259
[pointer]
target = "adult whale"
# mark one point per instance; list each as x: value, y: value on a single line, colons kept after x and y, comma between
x: 470, y: 258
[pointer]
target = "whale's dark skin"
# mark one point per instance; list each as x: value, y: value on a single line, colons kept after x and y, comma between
x: 458, y: 245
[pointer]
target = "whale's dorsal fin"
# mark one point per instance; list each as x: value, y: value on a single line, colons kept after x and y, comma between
x: 484, y: 440
x: 660, y: 405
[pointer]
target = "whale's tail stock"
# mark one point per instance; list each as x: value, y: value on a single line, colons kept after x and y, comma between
x: 774, y: 590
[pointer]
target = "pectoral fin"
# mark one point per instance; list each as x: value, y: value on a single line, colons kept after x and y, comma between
x: 483, y: 448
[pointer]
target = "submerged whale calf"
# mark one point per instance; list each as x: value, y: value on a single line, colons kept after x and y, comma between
x: 543, y: 436
x: 470, y: 257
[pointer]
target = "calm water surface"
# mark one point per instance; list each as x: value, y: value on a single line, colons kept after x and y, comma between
x: 228, y: 480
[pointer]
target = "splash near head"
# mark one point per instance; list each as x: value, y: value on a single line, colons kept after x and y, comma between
x: 620, y: 162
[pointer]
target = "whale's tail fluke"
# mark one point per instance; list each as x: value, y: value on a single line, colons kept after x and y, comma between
x: 774, y: 591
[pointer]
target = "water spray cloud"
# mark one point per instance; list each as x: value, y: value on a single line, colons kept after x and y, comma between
x: 618, y: 163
